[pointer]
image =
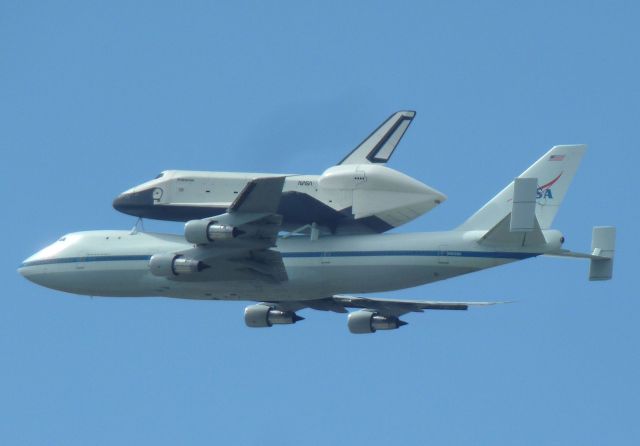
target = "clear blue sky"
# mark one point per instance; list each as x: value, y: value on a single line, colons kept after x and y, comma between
x: 96, y: 97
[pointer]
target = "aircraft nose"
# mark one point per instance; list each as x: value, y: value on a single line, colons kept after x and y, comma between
x: 31, y: 274
x: 24, y: 271
x: 134, y: 203
x: 41, y: 274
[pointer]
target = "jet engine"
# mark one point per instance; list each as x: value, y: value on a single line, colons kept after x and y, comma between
x: 365, y: 321
x: 260, y: 315
x: 201, y: 232
x: 167, y: 265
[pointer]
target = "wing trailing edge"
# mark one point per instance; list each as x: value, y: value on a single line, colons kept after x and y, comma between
x: 387, y: 307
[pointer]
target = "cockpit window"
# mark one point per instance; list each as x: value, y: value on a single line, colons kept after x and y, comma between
x: 160, y: 175
x: 62, y: 239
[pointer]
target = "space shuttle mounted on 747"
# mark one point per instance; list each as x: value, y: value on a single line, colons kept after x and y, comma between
x: 242, y: 254
x: 359, y: 195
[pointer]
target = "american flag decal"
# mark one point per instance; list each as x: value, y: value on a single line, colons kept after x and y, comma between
x: 556, y: 157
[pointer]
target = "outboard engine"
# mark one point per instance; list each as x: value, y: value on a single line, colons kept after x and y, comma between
x: 261, y: 315
x: 366, y: 321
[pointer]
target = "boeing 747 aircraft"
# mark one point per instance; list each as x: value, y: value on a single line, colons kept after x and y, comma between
x: 241, y: 254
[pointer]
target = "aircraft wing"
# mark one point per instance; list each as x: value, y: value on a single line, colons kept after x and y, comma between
x: 378, y: 147
x: 386, y: 307
x: 261, y: 195
x: 237, y: 243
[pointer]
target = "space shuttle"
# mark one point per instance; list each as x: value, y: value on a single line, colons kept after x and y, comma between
x: 358, y: 195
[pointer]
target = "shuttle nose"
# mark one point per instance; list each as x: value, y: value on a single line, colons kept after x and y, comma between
x: 134, y: 203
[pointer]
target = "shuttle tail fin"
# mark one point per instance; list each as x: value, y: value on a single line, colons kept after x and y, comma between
x: 378, y: 147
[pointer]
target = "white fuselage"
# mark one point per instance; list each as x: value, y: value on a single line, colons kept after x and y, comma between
x: 116, y: 263
x: 345, y: 199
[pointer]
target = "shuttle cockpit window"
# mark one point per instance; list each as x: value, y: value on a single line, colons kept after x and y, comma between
x: 160, y: 175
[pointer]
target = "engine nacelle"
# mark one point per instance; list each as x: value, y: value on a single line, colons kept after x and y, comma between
x: 264, y: 316
x: 202, y: 232
x: 364, y: 321
x: 168, y: 265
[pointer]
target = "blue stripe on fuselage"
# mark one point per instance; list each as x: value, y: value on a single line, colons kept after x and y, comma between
x: 452, y: 253
x: 85, y: 259
x: 310, y: 254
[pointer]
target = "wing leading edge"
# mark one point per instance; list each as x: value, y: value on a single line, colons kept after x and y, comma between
x: 372, y: 314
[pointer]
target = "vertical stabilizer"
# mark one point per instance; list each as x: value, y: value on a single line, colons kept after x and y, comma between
x: 554, y: 171
x: 378, y: 147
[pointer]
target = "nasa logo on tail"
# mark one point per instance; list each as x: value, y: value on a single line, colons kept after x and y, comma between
x: 544, y: 192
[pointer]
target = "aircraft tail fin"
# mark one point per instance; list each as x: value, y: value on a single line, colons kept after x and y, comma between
x: 378, y: 147
x: 554, y: 172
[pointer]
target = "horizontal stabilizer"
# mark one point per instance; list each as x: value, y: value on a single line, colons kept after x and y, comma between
x: 603, y: 241
x: 574, y: 255
x: 378, y: 147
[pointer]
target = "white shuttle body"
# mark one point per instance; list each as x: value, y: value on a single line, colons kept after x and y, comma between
x: 359, y: 195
